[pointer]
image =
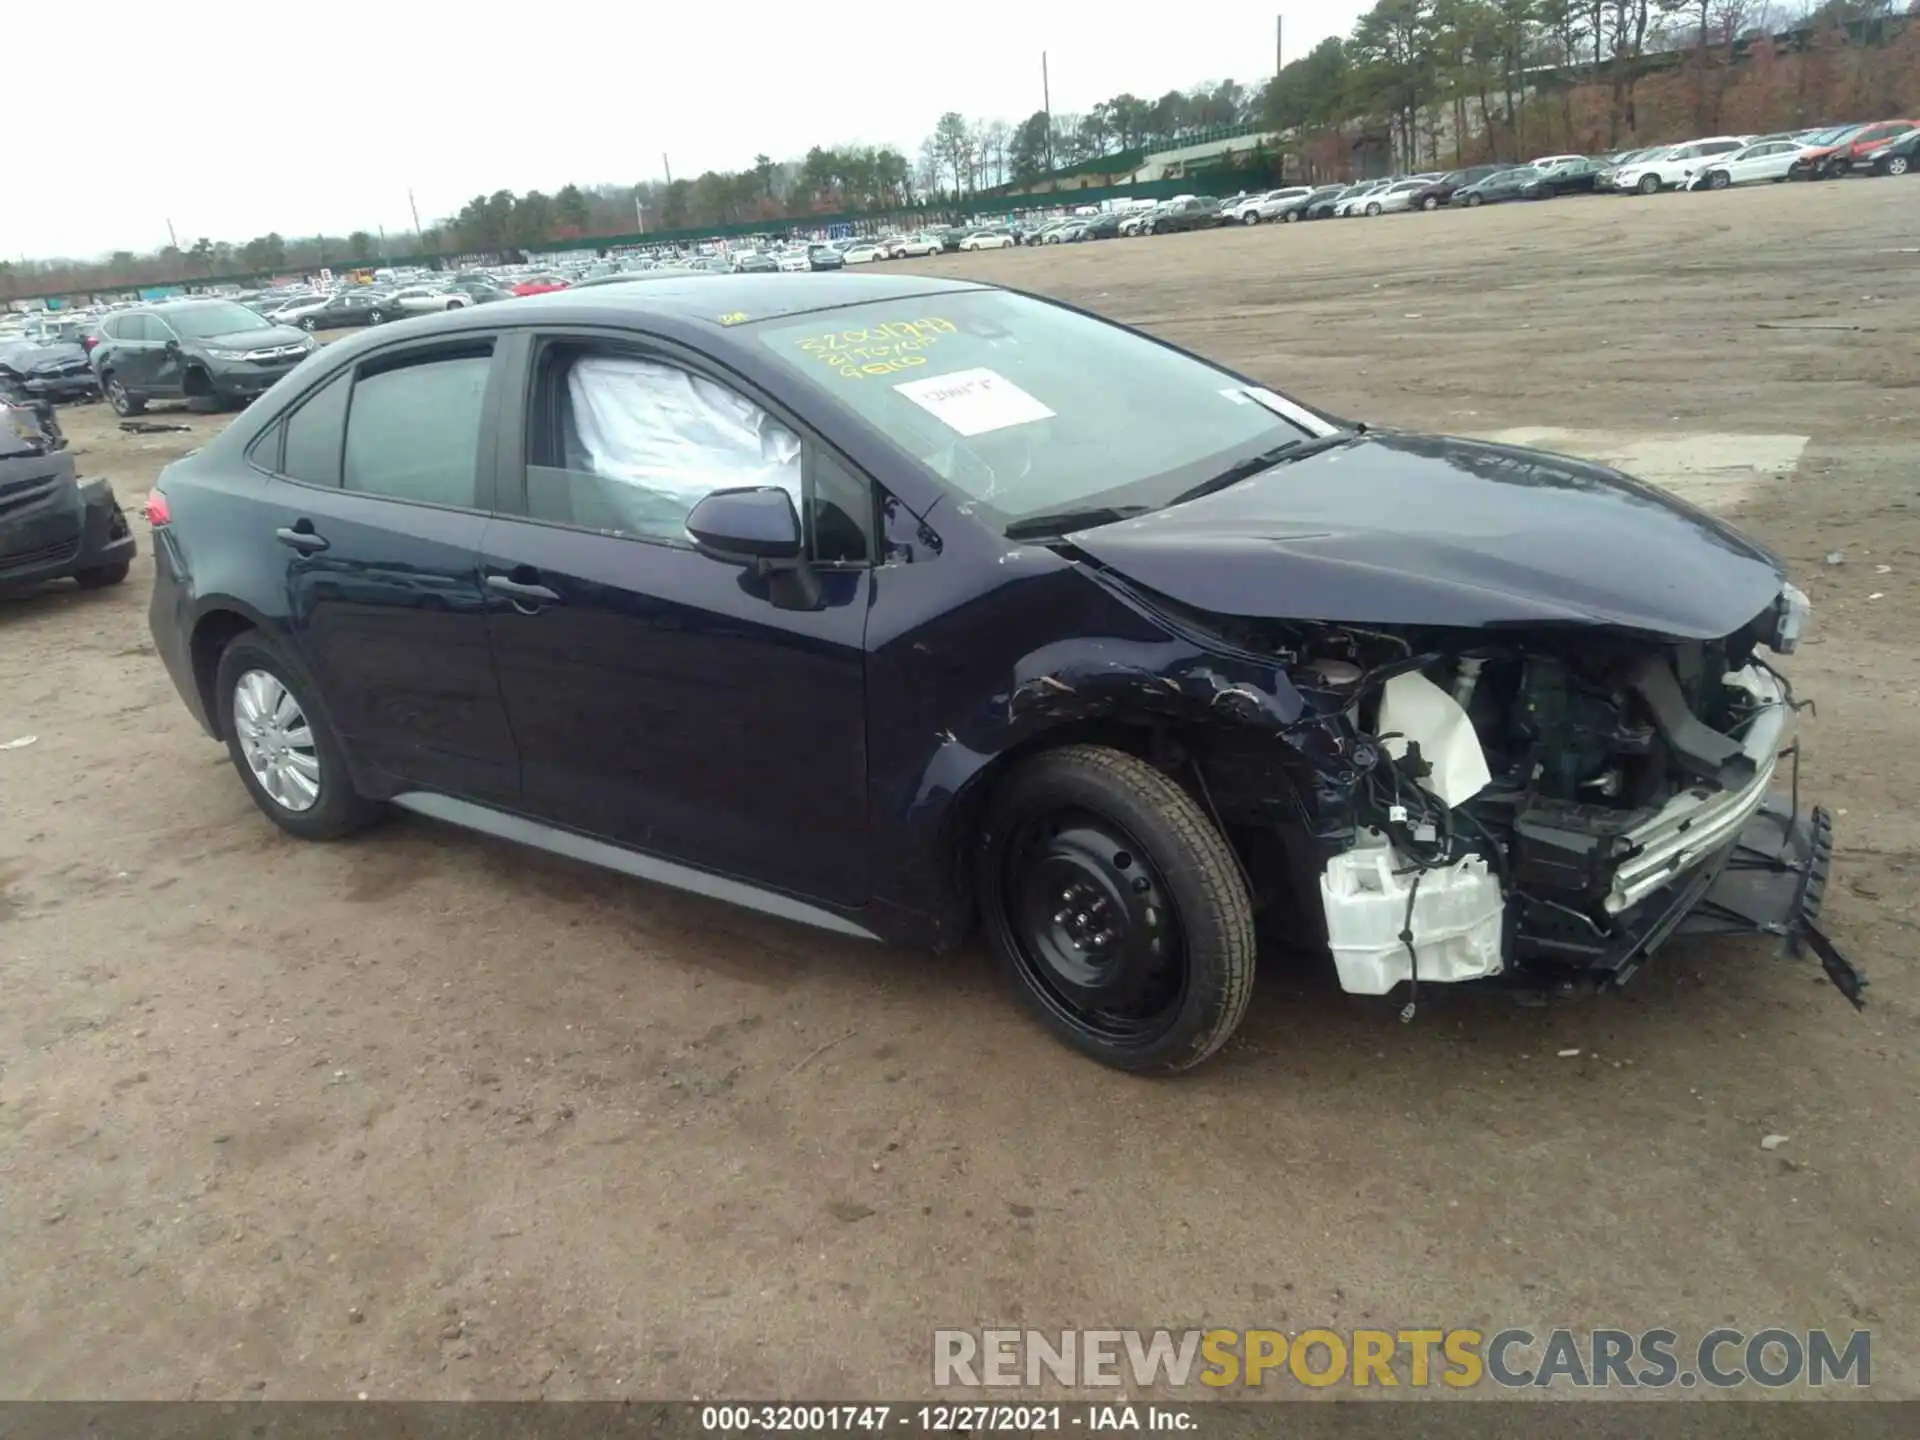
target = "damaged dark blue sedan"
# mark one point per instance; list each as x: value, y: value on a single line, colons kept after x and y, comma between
x: 904, y: 607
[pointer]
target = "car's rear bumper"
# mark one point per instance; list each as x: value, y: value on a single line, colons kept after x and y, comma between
x: 170, y: 621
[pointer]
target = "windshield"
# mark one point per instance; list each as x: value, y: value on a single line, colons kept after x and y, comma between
x: 1022, y: 408
x: 203, y: 322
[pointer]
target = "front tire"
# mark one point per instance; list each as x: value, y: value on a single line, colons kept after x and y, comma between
x: 1432, y: 202
x: 1473, y: 201
x: 1719, y: 180
x: 307, y: 322
x: 1648, y: 184
x: 1118, y: 909
x: 1897, y: 165
x: 1372, y: 210
x: 280, y: 742
x: 1252, y: 217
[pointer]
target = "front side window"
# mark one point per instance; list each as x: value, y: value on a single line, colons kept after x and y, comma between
x: 1022, y: 408
x: 630, y: 445
x: 413, y: 431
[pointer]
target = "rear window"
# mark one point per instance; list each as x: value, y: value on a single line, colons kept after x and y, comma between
x: 413, y: 433
x: 314, y: 434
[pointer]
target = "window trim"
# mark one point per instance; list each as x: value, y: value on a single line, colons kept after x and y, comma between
x: 394, y: 357
x: 511, y: 455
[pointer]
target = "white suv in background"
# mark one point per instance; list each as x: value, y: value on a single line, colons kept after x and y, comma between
x: 1674, y: 167
x: 1252, y: 209
x: 1763, y: 160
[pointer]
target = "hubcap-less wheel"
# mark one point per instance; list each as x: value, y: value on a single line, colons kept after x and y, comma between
x: 1719, y: 180
x: 116, y: 395
x: 276, y: 740
x: 1094, y: 928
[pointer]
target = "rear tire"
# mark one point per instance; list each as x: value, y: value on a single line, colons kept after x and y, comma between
x: 1474, y: 200
x: 1149, y: 963
x: 124, y: 402
x: 1898, y: 165
x: 1252, y: 217
x: 1719, y: 180
x: 1432, y: 202
x: 1373, y: 209
x: 336, y: 809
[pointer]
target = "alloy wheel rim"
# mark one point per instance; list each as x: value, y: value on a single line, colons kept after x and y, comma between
x: 276, y: 741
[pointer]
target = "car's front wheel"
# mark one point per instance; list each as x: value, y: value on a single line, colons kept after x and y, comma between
x: 1649, y: 184
x: 1719, y: 180
x: 1473, y: 200
x: 287, y: 755
x: 1252, y: 217
x: 1432, y: 202
x: 307, y: 322
x: 1897, y: 165
x: 1119, y: 910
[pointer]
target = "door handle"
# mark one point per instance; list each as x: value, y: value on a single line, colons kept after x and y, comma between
x: 299, y: 536
x: 522, y: 593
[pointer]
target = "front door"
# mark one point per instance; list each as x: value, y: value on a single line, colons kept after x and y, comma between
x: 378, y: 510
x: 659, y: 698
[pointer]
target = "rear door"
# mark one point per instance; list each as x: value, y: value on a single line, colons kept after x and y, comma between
x: 166, y: 365
x: 662, y: 699
x: 380, y: 496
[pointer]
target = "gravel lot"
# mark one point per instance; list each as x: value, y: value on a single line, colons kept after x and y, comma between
x: 422, y: 1115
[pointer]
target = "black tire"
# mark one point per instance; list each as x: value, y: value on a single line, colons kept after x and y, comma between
x: 98, y: 577
x: 377, y: 317
x: 1157, y: 879
x: 1718, y: 180
x: 1896, y: 165
x: 1432, y: 202
x: 307, y: 322
x: 1648, y: 184
x: 1252, y: 217
x: 1373, y: 208
x: 124, y: 402
x: 1473, y: 200
x: 1291, y: 216
x: 339, y: 810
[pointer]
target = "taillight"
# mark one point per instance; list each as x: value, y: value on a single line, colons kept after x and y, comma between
x: 157, y: 512
x: 87, y: 342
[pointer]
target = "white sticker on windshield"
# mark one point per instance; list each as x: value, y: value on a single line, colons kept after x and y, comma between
x: 973, y: 402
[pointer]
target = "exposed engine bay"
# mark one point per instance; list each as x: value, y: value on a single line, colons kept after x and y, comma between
x: 1545, y: 808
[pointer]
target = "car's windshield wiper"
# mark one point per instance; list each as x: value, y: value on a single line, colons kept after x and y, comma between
x: 1062, y: 522
x: 1266, y: 460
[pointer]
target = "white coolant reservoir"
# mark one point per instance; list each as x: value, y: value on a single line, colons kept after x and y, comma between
x: 1457, y: 916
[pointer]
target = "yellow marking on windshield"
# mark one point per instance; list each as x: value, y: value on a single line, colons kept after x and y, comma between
x: 736, y: 317
x: 875, y: 350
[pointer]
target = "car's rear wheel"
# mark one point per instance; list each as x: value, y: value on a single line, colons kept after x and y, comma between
x: 286, y: 753
x: 1252, y: 217
x: 1118, y: 909
x: 1432, y: 202
x: 123, y: 400
x: 307, y: 322
x: 1292, y: 216
x: 1898, y: 165
x: 377, y: 317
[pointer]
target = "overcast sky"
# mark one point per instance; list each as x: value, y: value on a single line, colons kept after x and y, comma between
x: 232, y: 119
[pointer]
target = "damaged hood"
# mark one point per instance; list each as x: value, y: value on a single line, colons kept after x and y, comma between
x: 1429, y: 530
x: 32, y: 358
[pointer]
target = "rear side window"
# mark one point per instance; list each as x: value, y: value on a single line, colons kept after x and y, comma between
x: 413, y: 432
x: 314, y: 435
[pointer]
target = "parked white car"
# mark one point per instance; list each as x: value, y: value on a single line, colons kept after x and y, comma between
x: 1353, y: 204
x: 1675, y: 166
x: 791, y: 261
x: 426, y: 300
x: 865, y: 253
x: 1764, y: 160
x: 1547, y: 162
x: 1395, y: 197
x: 918, y: 245
x: 987, y: 240
x: 1255, y: 208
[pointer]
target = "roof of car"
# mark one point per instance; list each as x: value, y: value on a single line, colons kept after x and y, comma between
x: 723, y: 299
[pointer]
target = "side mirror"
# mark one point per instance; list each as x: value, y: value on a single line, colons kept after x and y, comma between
x: 745, y: 526
x: 172, y: 347
x: 757, y: 526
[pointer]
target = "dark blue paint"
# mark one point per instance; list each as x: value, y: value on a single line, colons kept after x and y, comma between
x: 659, y: 698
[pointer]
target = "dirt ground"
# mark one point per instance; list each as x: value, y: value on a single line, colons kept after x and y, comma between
x: 421, y: 1115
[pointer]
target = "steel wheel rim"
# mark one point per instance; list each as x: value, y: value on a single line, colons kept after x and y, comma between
x: 276, y: 741
x: 116, y: 392
x: 1094, y: 928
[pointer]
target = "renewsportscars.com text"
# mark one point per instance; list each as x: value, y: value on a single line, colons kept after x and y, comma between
x: 1459, y: 1359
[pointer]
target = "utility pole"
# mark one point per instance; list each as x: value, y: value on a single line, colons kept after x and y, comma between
x: 416, y: 220
x: 172, y: 239
x: 1279, y: 46
x: 666, y: 167
x: 639, y: 215
x: 1046, y: 105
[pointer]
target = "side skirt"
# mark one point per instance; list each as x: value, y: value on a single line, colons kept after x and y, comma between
x: 574, y: 846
